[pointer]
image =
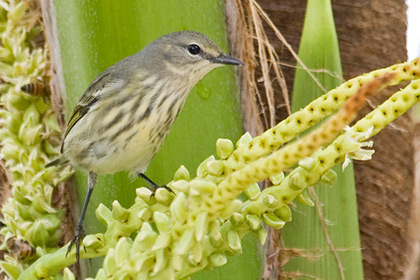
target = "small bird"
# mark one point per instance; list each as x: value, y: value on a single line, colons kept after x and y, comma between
x: 124, y: 116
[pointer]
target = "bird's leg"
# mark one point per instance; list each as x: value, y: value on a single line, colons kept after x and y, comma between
x: 79, y: 233
x: 154, y: 185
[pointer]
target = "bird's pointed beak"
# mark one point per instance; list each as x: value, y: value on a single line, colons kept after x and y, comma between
x: 224, y: 59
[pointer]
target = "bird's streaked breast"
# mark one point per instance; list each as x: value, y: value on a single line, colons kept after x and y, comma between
x: 128, y: 135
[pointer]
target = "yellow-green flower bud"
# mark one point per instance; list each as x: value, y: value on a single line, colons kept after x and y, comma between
x: 49, y: 148
x: 68, y: 275
x: 19, y: 196
x: 103, y: 214
x: 244, y: 140
x: 196, y: 254
x: 94, y: 241
x: 297, y: 181
x: 237, y: 219
x: 11, y: 224
x: 17, y: 12
x: 216, y: 240
x: 164, y: 196
x: 122, y: 251
x: 262, y: 235
x: 161, y: 261
x: 30, y: 135
x: 253, y: 191
x: 202, y: 186
x: 162, y: 241
x: 17, y: 101
x: 177, y: 262
x: 276, y: 179
x: 215, y: 226
x: 6, y: 69
x: 184, y: 243
x: 110, y: 265
x: 270, y: 201
x: 284, y: 213
x: 305, y: 199
x: 100, y: 275
x: 31, y: 116
x: 162, y: 221
x: 40, y: 272
x: 349, y: 144
x: 50, y: 121
x: 123, y: 275
x: 7, y: 136
x: 270, y: 219
x: 215, y: 168
x: 12, y: 150
x: 307, y: 163
x: 218, y: 259
x: 179, y: 207
x: 224, y: 148
x: 201, y: 226
x: 50, y: 222
x: 14, y: 271
x: 202, y: 168
x: 180, y: 186
x: 329, y: 177
x: 38, y: 234
x: 6, y: 55
x: 24, y: 212
x: 143, y: 263
x: 253, y: 221
x: 13, y: 123
x: 182, y: 174
x: 234, y: 242
x: 145, y: 194
x: 41, y: 205
x: 145, y: 214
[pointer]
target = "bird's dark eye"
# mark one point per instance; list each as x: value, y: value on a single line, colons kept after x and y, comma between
x: 193, y: 49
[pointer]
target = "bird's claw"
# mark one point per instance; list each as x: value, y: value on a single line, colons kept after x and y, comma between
x: 79, y: 234
x: 156, y: 187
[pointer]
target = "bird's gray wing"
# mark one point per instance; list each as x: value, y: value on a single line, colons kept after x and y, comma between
x: 93, y: 93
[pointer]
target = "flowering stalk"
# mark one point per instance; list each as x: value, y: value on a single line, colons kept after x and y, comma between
x: 29, y: 135
x: 346, y: 146
x: 290, y: 154
x: 314, y: 112
x: 205, y: 221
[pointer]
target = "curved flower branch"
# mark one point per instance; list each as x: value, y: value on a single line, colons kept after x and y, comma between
x: 175, y: 236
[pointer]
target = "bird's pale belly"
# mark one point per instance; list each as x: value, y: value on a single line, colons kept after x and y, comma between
x: 136, y: 149
x: 135, y: 159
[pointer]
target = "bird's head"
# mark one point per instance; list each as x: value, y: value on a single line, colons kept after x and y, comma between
x: 188, y: 54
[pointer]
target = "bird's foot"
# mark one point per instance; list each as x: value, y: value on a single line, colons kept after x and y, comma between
x: 156, y: 187
x: 153, y: 186
x: 79, y: 234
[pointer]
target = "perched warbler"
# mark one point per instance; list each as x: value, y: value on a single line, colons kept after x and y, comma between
x: 124, y: 116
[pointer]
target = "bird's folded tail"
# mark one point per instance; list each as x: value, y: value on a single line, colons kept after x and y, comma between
x: 58, y: 161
